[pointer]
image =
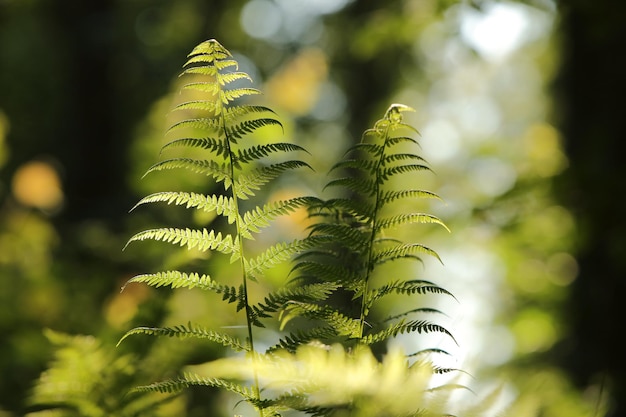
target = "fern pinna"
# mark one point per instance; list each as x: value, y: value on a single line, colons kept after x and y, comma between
x: 221, y: 130
x: 355, y: 240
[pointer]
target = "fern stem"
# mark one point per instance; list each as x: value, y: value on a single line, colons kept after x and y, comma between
x: 374, y: 224
x: 244, y: 276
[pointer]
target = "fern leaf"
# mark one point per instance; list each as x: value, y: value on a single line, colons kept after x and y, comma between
x: 405, y: 287
x: 277, y: 254
x: 177, y: 279
x: 204, y: 124
x: 387, y: 173
x: 189, y: 331
x: 189, y: 380
x: 391, y: 196
x: 359, y: 186
x: 233, y: 112
x: 277, y: 300
x: 226, y: 96
x: 354, y: 238
x: 347, y: 277
x: 203, y: 105
x: 260, y: 217
x: 247, y: 184
x: 408, y: 250
x: 259, y: 151
x: 301, y: 337
x: 210, y: 87
x: 214, y: 145
x: 410, y: 218
x: 417, y: 310
x: 241, y: 129
x: 392, y: 141
x: 418, y: 326
x: 365, y: 165
x: 342, y: 324
x: 372, y: 149
x: 210, y: 168
x: 192, y: 238
x: 222, y: 205
x: 401, y: 157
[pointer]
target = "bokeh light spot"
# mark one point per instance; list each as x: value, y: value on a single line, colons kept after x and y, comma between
x: 261, y: 19
x: 37, y: 184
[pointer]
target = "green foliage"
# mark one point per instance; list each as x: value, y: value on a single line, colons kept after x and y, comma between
x: 335, y: 283
x: 88, y: 379
x: 356, y: 241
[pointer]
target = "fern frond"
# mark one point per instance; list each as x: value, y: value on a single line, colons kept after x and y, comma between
x: 364, y: 187
x: 302, y: 337
x: 366, y: 165
x: 406, y: 251
x: 188, y: 331
x: 417, y: 310
x: 353, y: 238
x: 190, y: 380
x: 222, y: 205
x: 260, y: 217
x: 306, y: 293
x: 374, y: 150
x: 241, y: 129
x: 233, y: 112
x: 178, y: 279
x: 219, y: 172
x: 342, y: 324
x: 204, y: 124
x: 259, y: 151
x: 401, y: 157
x: 211, y: 87
x: 277, y: 254
x: 227, y: 96
x: 392, y: 141
x: 387, y: 173
x: 413, y: 326
x: 391, y: 196
x: 405, y: 287
x: 360, y: 211
x: 346, y: 275
x: 247, y: 184
x: 210, y: 51
x: 406, y: 219
x: 216, y: 146
x: 202, y: 105
x: 192, y: 238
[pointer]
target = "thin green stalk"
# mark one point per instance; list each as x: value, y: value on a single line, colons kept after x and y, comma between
x: 374, y: 221
x: 244, y: 275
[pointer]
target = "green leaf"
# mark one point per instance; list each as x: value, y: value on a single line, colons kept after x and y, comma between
x: 245, y: 127
x: 210, y: 168
x: 189, y: 331
x: 404, y: 251
x: 409, y: 218
x: 222, y: 205
x: 192, y: 238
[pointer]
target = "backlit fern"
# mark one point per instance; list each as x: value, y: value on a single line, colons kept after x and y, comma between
x: 356, y: 239
x: 333, y: 288
x: 222, y: 130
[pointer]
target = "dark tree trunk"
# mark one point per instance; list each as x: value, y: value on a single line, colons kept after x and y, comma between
x: 591, y: 90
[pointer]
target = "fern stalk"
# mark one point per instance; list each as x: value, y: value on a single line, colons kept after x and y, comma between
x: 374, y: 228
x: 244, y: 275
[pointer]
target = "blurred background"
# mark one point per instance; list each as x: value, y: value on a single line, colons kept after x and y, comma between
x: 520, y: 107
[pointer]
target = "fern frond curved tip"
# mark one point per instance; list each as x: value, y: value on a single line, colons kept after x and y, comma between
x: 188, y: 331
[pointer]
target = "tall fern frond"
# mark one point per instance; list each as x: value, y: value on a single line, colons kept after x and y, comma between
x: 219, y: 126
x: 358, y: 230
